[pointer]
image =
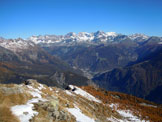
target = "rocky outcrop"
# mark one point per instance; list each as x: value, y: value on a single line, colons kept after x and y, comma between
x: 52, y: 108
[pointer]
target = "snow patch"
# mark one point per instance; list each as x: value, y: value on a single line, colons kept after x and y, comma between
x: 69, y: 93
x: 113, y: 106
x: 149, y: 105
x: 35, y: 94
x: 80, y: 117
x: 129, y: 115
x: 26, y: 112
x: 36, y: 90
x: 113, y: 119
x: 50, y: 88
x: 84, y: 93
x: 126, y: 114
x: 41, y: 87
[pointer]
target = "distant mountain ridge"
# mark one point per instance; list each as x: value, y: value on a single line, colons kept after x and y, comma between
x: 84, y: 37
x: 96, y: 52
x: 91, y: 52
x: 22, y: 59
x: 143, y: 78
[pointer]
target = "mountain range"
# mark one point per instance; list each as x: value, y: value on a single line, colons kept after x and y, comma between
x: 84, y: 37
x: 117, y: 62
x: 22, y: 59
x: 95, y: 52
x: 142, y: 78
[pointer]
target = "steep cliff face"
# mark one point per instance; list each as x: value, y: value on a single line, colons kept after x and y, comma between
x: 39, y: 103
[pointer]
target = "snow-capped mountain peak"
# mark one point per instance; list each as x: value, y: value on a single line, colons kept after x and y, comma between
x: 72, y: 38
x: 137, y: 36
x: 71, y: 34
x: 111, y: 34
x: 84, y: 36
x: 16, y: 45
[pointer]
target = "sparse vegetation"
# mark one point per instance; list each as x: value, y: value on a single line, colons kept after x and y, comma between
x: 129, y: 102
x: 6, y: 115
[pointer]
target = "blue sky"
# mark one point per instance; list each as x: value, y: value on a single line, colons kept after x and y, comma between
x: 23, y: 18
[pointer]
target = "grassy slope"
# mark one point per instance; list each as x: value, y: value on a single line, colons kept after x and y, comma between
x: 128, y: 102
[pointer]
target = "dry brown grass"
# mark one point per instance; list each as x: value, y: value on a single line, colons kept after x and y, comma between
x: 128, y: 102
x: 65, y: 99
x: 42, y: 116
x: 47, y: 91
x: 8, y: 100
x: 6, y: 115
x: 14, y: 99
x: 7, y: 85
x: 88, y: 108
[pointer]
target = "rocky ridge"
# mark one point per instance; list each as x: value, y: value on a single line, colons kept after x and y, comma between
x: 98, y: 51
x: 36, y: 102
